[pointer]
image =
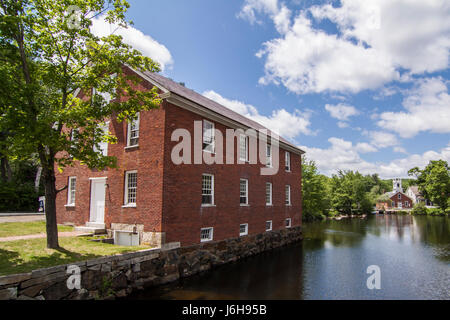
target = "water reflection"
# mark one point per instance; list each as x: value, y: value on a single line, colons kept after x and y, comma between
x: 412, y: 252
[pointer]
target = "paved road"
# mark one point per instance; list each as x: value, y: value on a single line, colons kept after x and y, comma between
x: 22, y: 218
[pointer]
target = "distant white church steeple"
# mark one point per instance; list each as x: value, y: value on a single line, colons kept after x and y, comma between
x: 397, y: 185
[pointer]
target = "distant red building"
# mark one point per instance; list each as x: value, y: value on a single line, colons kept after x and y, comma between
x: 399, y: 200
x: 188, y: 203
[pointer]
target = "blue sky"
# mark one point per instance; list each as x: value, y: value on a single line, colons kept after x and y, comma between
x: 359, y: 85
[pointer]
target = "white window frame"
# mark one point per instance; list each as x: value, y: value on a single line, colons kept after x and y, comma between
x: 270, y: 194
x: 127, y: 202
x: 399, y: 196
x: 270, y: 229
x: 212, y: 190
x: 288, y: 195
x: 135, y: 123
x: 406, y: 204
x: 213, y: 137
x: 103, y: 146
x: 246, y: 192
x: 287, y: 159
x: 246, y: 229
x: 71, y: 192
x: 290, y: 222
x: 243, y: 157
x: 269, y: 155
x: 211, y: 234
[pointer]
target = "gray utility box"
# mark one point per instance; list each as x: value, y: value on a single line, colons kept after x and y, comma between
x: 126, y: 238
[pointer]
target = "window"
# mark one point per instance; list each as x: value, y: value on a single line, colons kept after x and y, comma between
x: 133, y: 132
x: 243, y: 192
x: 406, y: 204
x: 130, y: 188
x: 287, y: 159
x: 269, y: 155
x: 288, y: 222
x: 393, y: 203
x: 243, y: 148
x: 399, y: 196
x: 269, y: 225
x: 103, y: 145
x: 208, y: 136
x: 288, y: 195
x: 243, y: 229
x: 207, y: 189
x: 71, y: 191
x: 206, y: 234
x: 268, y: 194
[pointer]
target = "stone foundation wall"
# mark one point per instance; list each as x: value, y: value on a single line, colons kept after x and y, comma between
x: 154, y: 239
x: 117, y: 276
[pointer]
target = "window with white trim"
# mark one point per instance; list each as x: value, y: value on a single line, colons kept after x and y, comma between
x: 269, y: 155
x: 130, y: 188
x: 288, y: 222
x: 269, y: 225
x: 243, y: 229
x: 406, y: 204
x: 71, y: 191
x: 208, y: 136
x: 288, y: 195
x: 243, y: 189
x: 207, y: 189
x: 133, y: 131
x: 287, y: 159
x: 103, y: 145
x: 206, y: 234
x: 243, y: 147
x: 268, y: 194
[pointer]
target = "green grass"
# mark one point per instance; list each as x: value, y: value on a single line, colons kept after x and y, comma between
x: 11, y: 229
x: 26, y: 255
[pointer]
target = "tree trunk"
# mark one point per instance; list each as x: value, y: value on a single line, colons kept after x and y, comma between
x: 37, y: 179
x: 6, y: 173
x: 50, y: 206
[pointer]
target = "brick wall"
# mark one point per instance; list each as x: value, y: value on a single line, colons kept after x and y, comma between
x: 169, y: 195
x: 183, y: 215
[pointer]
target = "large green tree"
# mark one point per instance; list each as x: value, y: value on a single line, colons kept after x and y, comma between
x: 48, y: 53
x: 434, y: 182
x: 315, y: 192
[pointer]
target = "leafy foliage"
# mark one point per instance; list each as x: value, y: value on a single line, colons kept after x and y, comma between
x: 434, y: 182
x: 49, y: 54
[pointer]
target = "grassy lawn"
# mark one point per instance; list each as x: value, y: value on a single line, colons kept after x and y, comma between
x: 10, y: 229
x: 26, y: 255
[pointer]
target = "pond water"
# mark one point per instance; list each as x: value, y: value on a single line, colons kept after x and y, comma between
x: 413, y: 254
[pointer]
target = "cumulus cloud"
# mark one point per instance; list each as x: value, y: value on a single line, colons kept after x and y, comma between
x: 345, y: 156
x: 135, y: 38
x: 382, y: 139
x: 341, y: 112
x: 286, y: 124
x: 427, y: 108
x: 373, y: 44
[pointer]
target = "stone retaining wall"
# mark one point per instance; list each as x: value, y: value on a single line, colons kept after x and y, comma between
x: 117, y: 276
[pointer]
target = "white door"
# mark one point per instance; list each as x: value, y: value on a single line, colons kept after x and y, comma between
x: 400, y: 204
x: 97, y: 213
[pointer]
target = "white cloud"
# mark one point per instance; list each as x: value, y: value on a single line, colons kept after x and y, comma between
x: 375, y: 41
x: 382, y: 139
x: 135, y: 38
x: 400, y: 150
x: 286, y: 124
x: 364, y: 147
x: 341, y: 111
x: 343, y: 155
x: 427, y: 109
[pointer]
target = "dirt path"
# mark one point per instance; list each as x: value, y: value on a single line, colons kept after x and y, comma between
x: 40, y: 235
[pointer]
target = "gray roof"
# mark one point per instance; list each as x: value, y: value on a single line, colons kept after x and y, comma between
x: 195, y: 97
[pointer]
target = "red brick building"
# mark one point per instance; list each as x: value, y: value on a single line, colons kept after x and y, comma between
x: 167, y: 202
x: 398, y: 199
